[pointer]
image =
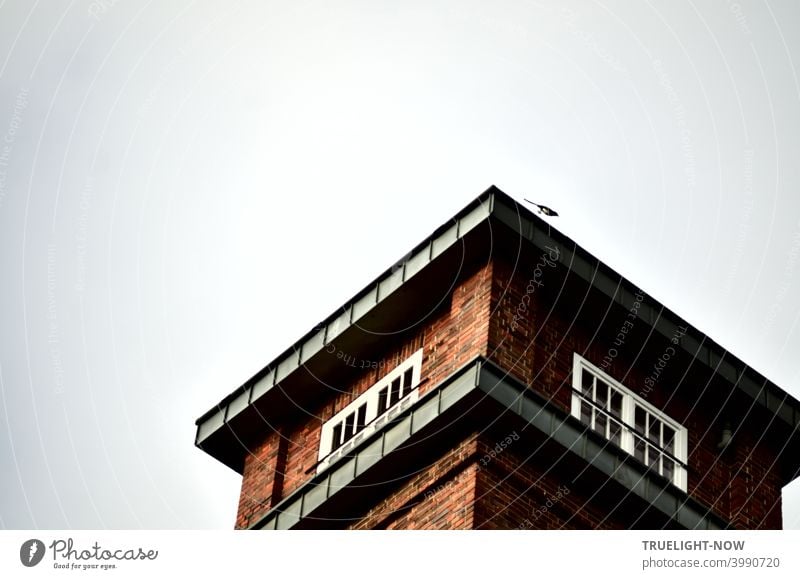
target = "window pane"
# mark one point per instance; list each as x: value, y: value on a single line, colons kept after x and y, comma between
x: 586, y: 383
x: 669, y: 469
x: 586, y: 413
x: 668, y: 437
x: 655, y: 430
x: 638, y: 448
x: 600, y: 422
x: 395, y: 392
x: 349, y: 422
x: 653, y: 458
x: 407, y: 377
x: 361, y: 419
x: 601, y: 393
x: 337, y: 437
x: 640, y: 420
x: 616, y: 404
x: 382, y: 400
x: 614, y: 432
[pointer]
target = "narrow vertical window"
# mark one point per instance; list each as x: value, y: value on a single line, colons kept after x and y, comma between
x: 337, y: 437
x: 349, y: 422
x: 395, y: 392
x: 361, y: 419
x: 408, y: 377
x: 382, y: 401
x: 588, y: 382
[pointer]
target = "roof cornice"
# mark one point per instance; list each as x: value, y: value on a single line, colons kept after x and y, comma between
x: 496, y: 208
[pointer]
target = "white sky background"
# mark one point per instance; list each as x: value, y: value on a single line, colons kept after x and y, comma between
x: 186, y: 188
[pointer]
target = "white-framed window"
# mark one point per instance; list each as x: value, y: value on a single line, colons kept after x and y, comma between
x: 629, y: 421
x: 383, y: 401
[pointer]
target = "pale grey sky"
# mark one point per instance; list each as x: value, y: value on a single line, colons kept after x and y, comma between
x: 188, y: 187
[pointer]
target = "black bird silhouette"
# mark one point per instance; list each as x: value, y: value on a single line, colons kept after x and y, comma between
x: 544, y: 210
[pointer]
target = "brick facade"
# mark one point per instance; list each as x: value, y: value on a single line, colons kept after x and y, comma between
x: 533, y: 338
x: 741, y: 484
x: 442, y: 496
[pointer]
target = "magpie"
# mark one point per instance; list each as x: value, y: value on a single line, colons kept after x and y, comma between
x: 544, y: 210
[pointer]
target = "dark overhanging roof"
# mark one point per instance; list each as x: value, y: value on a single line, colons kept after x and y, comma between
x: 217, y: 429
x: 474, y: 383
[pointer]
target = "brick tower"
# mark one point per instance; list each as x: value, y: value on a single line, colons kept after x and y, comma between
x: 503, y: 378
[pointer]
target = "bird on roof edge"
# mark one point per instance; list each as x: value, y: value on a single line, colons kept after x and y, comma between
x: 543, y: 209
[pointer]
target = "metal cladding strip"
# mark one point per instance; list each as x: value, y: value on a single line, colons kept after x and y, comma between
x: 694, y: 342
x: 210, y: 425
x: 516, y: 397
x: 594, y: 449
x: 312, y: 494
x: 352, y: 312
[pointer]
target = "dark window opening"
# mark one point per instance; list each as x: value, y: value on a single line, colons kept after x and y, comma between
x: 361, y: 421
x: 407, y: 377
x: 382, y: 400
x: 349, y: 422
x: 395, y: 393
x: 337, y: 437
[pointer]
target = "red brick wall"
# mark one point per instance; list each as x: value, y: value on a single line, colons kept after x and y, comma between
x: 515, y: 493
x: 439, y: 497
x: 262, y: 479
x: 466, y: 489
x: 755, y: 489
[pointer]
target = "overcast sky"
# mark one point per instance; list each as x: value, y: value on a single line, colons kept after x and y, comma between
x: 188, y: 187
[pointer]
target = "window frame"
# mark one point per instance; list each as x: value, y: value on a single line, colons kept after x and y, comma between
x: 373, y: 419
x: 627, y: 420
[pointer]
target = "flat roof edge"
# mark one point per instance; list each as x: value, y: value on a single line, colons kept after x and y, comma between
x: 495, y: 204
